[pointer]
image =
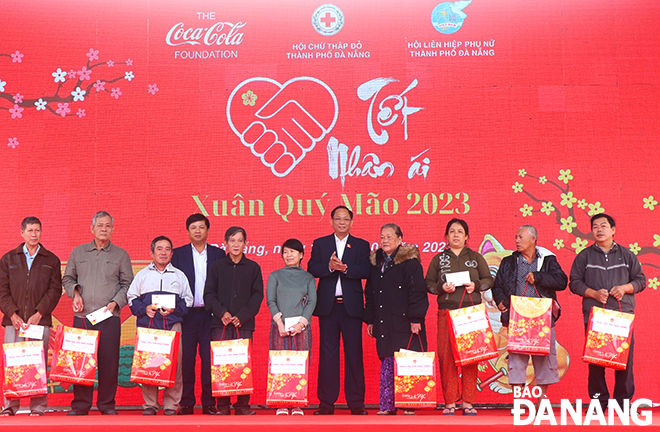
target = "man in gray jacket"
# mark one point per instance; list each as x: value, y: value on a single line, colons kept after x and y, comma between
x: 608, y: 276
x: 97, y: 276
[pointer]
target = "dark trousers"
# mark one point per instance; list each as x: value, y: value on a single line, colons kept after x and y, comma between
x: 196, y: 334
x: 107, y: 366
x: 336, y: 326
x: 624, y: 380
x: 242, y: 401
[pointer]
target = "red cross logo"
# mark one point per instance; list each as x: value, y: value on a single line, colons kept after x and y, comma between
x: 328, y: 19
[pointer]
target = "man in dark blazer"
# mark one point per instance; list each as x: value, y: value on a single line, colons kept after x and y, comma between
x: 195, y: 259
x: 340, y: 262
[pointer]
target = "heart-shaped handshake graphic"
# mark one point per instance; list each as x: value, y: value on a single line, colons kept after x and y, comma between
x: 281, y: 123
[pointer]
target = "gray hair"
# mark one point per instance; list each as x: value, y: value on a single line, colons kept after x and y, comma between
x: 393, y: 226
x: 102, y: 214
x: 531, y: 230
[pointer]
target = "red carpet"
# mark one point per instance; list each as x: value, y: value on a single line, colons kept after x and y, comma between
x: 132, y: 421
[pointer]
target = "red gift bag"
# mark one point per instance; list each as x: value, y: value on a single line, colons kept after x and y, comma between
x: 287, y: 378
x: 472, y: 336
x: 414, y: 379
x: 530, y: 325
x: 608, y: 339
x: 25, y: 369
x: 231, y: 367
x: 155, y: 357
x: 74, y: 356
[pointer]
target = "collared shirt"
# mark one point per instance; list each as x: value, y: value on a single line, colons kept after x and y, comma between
x: 199, y: 261
x: 101, y: 276
x: 340, y: 244
x: 150, y: 279
x: 524, y: 268
x: 30, y: 258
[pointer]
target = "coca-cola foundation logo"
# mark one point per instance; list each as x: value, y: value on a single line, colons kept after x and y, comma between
x: 220, y: 33
x: 210, y: 39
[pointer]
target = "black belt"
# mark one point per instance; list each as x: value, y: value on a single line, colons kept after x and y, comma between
x: 198, y: 309
x: 339, y: 299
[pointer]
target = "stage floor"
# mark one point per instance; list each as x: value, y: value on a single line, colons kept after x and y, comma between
x: 496, y: 420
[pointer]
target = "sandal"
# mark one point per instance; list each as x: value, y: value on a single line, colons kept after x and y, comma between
x: 409, y: 412
x: 469, y: 411
x: 383, y: 412
x: 36, y: 413
x: 449, y: 410
x: 7, y: 412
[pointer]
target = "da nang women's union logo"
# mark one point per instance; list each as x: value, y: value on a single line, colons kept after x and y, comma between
x: 448, y: 17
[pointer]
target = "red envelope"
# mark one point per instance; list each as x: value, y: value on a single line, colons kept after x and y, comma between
x: 608, y: 339
x: 287, y: 379
x: 472, y: 335
x: 415, y: 380
x: 530, y: 325
x: 74, y: 356
x: 231, y: 367
x: 155, y: 357
x: 25, y: 369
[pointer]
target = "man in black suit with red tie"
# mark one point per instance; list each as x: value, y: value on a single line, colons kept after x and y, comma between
x: 195, y: 259
x: 340, y: 261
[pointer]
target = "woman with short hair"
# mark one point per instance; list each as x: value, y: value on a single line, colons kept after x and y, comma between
x: 291, y: 299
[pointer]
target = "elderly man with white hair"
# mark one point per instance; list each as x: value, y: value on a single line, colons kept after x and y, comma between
x: 531, y: 271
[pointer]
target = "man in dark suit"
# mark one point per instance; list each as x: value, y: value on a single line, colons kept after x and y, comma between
x: 340, y: 262
x: 195, y: 260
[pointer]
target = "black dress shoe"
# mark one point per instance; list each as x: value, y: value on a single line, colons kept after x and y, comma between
x: 358, y: 411
x: 169, y: 412
x: 110, y: 412
x: 244, y: 411
x: 324, y: 411
x: 186, y: 410
x: 76, y: 412
x: 149, y: 411
x: 224, y: 410
x: 210, y: 410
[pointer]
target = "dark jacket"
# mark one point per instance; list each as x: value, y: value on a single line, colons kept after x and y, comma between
x: 594, y: 269
x: 447, y: 262
x: 395, y: 299
x: 182, y: 259
x: 549, y: 279
x: 356, y: 257
x: 139, y: 309
x: 26, y: 292
x: 237, y: 288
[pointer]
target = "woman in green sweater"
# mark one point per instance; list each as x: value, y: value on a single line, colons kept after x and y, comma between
x: 457, y: 257
x: 291, y: 298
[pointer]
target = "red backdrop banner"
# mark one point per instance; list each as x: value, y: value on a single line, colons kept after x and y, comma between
x: 269, y: 114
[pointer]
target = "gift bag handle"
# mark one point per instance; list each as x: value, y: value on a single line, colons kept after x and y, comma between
x: 460, y: 305
x: 224, y: 329
x: 420, y: 341
x: 295, y: 346
x: 537, y: 291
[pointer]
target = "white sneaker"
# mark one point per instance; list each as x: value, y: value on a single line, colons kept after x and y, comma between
x: 282, y: 411
x: 297, y: 411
